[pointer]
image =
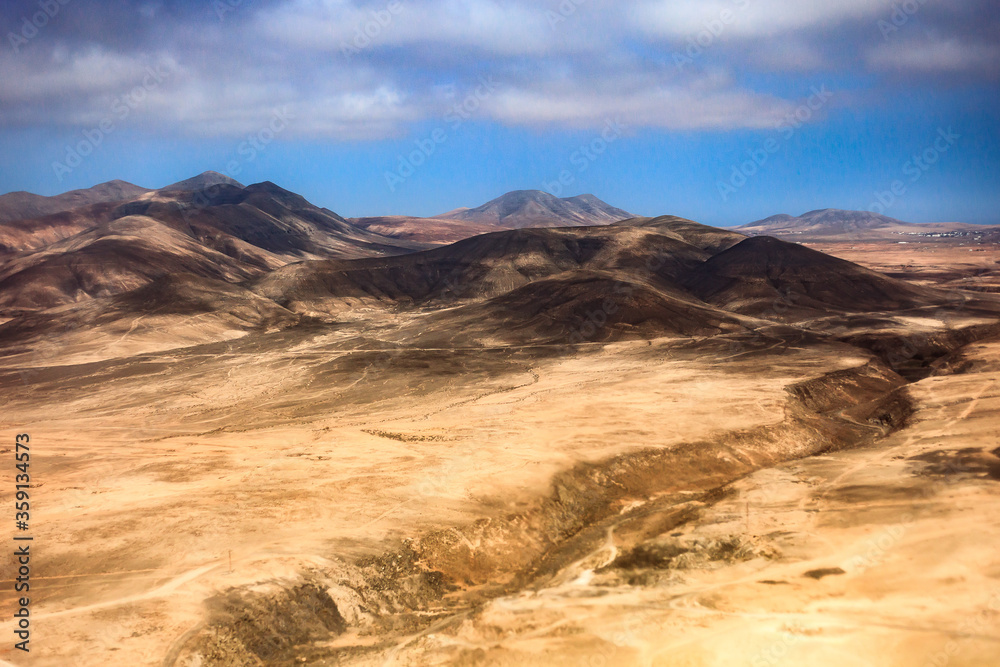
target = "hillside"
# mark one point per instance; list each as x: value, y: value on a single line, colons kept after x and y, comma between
x: 774, y: 279
x: 21, y: 205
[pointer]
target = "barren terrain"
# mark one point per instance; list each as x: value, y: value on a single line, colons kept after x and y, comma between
x: 650, y: 443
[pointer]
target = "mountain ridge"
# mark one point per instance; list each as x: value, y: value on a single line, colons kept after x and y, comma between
x: 22, y: 205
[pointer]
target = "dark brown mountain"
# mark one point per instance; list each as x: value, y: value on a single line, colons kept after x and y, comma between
x: 482, y: 267
x: 223, y: 232
x: 773, y: 279
x: 212, y: 208
x: 514, y: 210
x: 573, y: 308
x: 271, y: 258
x: 34, y: 233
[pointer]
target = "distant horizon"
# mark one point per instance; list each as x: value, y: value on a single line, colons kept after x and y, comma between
x: 473, y: 205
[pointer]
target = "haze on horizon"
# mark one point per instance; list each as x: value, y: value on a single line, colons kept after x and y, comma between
x: 724, y: 111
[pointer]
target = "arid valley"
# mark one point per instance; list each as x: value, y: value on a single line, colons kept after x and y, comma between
x: 539, y: 432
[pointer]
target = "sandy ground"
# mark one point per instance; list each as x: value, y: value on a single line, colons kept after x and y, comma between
x: 957, y: 264
x: 149, y: 476
x: 165, y: 478
x: 881, y: 556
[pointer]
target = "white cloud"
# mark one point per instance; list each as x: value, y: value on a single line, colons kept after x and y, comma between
x: 930, y: 56
x: 790, y: 54
x: 668, y: 107
x: 328, y: 25
x: 84, y: 88
x: 606, y: 59
x: 88, y: 71
x: 749, y: 18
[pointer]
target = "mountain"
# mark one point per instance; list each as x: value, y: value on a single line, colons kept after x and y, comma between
x: 222, y: 214
x: 481, y: 267
x: 643, y: 278
x: 758, y: 276
x: 206, y: 179
x: 534, y: 208
x: 115, y: 258
x: 266, y: 216
x: 576, y: 307
x: 765, y: 277
x: 832, y: 224
x: 22, y: 205
x: 223, y: 232
x: 171, y: 311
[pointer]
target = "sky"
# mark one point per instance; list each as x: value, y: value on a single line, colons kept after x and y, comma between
x: 722, y: 111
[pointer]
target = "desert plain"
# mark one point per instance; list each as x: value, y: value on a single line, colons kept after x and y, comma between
x: 647, y: 443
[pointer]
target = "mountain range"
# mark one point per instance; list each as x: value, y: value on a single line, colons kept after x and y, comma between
x: 209, y: 259
x: 836, y: 224
x: 123, y: 237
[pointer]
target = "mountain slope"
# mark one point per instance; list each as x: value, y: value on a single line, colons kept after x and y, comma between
x: 534, y: 208
x: 114, y: 258
x: 766, y: 277
x: 21, y: 205
x: 169, y: 312
x: 576, y: 307
x: 34, y: 233
x: 422, y: 230
x: 212, y: 208
x: 481, y: 267
x: 266, y: 216
x: 709, y: 239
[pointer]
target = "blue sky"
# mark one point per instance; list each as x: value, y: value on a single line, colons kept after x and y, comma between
x: 724, y: 111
